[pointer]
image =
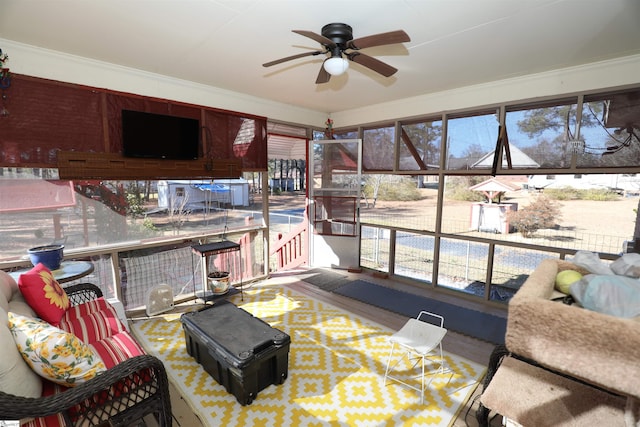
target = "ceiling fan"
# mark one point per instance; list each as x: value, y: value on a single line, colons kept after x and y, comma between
x: 337, y: 40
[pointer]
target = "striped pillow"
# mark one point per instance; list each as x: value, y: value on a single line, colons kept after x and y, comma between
x: 92, y: 321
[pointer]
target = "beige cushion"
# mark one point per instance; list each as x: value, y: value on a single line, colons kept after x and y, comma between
x: 4, y: 303
x: 8, y: 286
x: 15, y: 375
x: 10, y: 297
x: 19, y: 305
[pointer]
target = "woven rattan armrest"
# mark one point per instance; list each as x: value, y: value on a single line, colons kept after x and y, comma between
x: 82, y: 292
x: 139, y: 385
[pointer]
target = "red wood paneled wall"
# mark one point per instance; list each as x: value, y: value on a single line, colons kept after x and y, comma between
x: 47, y: 116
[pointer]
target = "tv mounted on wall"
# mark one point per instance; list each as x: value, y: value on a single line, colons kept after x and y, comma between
x: 159, y: 136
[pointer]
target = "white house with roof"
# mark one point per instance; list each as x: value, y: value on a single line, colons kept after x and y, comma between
x: 518, y: 160
x: 623, y: 183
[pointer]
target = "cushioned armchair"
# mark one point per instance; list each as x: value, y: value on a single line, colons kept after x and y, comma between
x: 117, y: 402
x: 133, y: 385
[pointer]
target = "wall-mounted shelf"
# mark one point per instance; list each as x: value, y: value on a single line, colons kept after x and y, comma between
x: 79, y: 165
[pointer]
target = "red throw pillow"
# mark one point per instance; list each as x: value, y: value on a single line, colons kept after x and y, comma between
x: 44, y: 294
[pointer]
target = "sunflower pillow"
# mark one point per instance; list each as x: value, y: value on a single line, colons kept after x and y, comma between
x: 53, y: 353
x: 44, y: 294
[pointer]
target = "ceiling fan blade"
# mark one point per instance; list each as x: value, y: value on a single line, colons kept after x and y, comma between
x: 372, y: 63
x: 289, y: 58
x: 323, y: 76
x: 381, y: 39
x: 317, y: 37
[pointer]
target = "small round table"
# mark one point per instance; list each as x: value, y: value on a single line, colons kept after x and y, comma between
x: 68, y: 271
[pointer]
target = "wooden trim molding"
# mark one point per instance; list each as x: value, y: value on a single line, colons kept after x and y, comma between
x: 76, y: 165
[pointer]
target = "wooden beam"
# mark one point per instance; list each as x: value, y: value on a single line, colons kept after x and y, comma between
x: 74, y: 165
x: 412, y: 149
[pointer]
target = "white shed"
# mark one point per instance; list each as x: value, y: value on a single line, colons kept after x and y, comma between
x: 201, y: 194
x: 177, y: 192
x: 186, y: 193
x: 239, y: 189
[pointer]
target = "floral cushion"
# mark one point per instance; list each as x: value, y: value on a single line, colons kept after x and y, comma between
x: 54, y: 354
x: 44, y: 294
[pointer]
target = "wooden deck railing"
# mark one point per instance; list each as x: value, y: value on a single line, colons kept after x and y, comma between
x: 291, y: 250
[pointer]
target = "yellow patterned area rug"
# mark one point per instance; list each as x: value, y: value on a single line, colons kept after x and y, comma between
x: 336, y: 370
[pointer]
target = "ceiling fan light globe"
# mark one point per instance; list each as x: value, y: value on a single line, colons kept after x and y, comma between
x: 336, y: 66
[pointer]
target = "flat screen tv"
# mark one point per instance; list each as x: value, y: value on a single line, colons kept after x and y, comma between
x: 159, y: 136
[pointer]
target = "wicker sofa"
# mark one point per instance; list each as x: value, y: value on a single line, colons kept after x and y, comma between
x: 128, y: 384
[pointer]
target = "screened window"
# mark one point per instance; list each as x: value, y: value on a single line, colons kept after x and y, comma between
x: 38, y: 208
x: 610, y: 128
x: 420, y: 145
x: 378, y: 149
x: 346, y: 134
x: 471, y: 141
x: 542, y: 136
x: 400, y: 201
x: 484, y: 233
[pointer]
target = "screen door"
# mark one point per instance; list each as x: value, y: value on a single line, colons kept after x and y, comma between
x: 335, y: 186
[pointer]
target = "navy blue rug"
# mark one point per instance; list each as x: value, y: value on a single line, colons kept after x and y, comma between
x: 474, y: 323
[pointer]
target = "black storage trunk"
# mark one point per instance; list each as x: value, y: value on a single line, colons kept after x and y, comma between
x: 240, y: 351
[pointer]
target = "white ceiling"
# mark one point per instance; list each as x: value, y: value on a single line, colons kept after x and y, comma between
x: 222, y: 43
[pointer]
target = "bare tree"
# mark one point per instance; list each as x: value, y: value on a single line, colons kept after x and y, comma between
x: 177, y: 211
x: 374, y: 181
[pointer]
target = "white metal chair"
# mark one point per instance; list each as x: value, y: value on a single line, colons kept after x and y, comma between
x: 418, y: 340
